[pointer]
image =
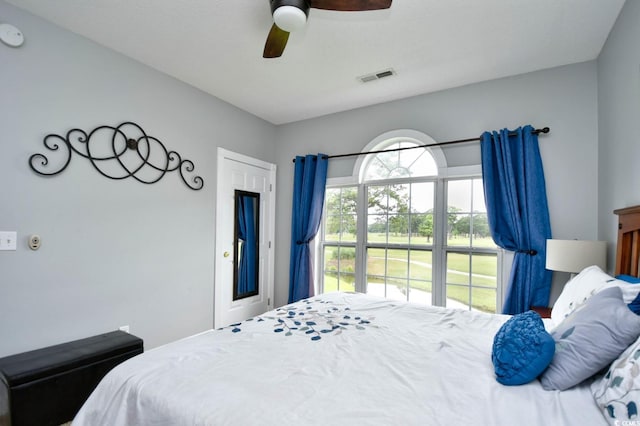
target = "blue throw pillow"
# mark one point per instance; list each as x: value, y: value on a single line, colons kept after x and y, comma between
x: 522, y: 349
x: 635, y: 305
x: 629, y: 278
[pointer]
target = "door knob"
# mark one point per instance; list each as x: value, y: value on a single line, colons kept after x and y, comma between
x: 226, y: 254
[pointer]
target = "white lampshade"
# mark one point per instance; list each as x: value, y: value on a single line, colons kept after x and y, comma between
x: 575, y: 255
x: 289, y: 18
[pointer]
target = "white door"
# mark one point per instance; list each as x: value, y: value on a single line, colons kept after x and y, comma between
x: 239, y: 172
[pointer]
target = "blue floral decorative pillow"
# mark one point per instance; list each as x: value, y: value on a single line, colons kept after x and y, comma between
x: 618, y: 392
x: 522, y: 349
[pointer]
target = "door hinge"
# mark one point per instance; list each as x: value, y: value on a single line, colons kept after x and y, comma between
x: 269, y: 301
x: 269, y: 244
x: 270, y: 187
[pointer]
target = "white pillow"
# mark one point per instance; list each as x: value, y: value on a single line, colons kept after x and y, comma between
x: 584, y: 285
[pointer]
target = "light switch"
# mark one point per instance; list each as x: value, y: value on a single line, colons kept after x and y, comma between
x: 8, y: 240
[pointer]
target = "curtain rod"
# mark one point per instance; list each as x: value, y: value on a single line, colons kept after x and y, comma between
x: 354, y: 154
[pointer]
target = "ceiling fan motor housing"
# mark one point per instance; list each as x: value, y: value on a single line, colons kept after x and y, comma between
x: 303, y: 5
x: 290, y: 15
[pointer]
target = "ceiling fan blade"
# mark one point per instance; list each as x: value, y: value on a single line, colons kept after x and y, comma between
x: 350, y: 5
x: 276, y: 42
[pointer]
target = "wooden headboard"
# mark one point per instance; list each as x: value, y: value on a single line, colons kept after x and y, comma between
x: 628, y: 249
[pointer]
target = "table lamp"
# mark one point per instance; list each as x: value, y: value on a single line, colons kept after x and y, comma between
x: 574, y: 255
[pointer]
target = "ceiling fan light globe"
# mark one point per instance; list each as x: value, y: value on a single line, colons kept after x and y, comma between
x: 289, y: 18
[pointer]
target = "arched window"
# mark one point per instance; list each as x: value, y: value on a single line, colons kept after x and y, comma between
x: 410, y: 162
x: 408, y: 230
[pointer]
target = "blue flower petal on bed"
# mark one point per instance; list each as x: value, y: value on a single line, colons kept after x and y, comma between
x: 522, y: 349
x: 632, y: 410
x: 567, y: 333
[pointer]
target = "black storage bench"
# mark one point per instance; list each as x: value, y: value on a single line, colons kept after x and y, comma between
x: 48, y: 386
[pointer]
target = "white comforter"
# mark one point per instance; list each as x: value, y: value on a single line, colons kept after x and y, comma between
x: 337, y: 359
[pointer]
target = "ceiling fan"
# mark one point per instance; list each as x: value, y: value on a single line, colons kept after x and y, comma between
x: 291, y: 15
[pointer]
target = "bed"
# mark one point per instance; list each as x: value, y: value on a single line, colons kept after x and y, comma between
x: 341, y: 359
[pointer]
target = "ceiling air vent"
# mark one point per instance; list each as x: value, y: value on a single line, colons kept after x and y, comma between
x: 376, y: 76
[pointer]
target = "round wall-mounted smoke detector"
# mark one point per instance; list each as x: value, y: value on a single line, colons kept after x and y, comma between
x: 10, y: 35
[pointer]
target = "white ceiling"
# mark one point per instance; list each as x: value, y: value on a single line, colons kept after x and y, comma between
x: 216, y: 46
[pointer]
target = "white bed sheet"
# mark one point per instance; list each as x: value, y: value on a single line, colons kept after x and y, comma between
x: 388, y: 363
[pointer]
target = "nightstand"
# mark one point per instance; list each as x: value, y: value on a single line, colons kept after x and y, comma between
x: 543, y: 311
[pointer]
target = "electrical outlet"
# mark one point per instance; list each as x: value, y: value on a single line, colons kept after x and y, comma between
x: 124, y: 328
x: 8, y: 240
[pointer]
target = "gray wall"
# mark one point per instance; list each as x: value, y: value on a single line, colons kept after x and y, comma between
x: 618, y: 117
x: 113, y: 252
x: 565, y: 99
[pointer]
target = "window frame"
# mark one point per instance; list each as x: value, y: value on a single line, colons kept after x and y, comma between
x: 365, y: 244
x: 322, y: 243
x: 439, y: 247
x: 470, y: 251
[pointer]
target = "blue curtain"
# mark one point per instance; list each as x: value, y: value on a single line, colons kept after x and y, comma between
x: 247, y: 234
x: 308, y: 198
x: 518, y: 214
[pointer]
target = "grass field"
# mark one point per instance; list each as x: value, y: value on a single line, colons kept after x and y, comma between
x: 471, y: 279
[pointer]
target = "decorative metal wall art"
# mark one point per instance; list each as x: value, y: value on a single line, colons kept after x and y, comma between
x: 130, y: 153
